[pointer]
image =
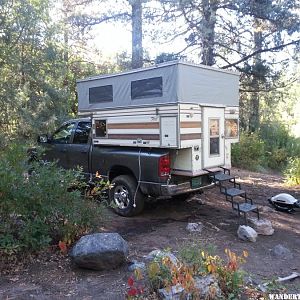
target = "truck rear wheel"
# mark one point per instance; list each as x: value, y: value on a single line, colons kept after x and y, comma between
x: 127, y: 201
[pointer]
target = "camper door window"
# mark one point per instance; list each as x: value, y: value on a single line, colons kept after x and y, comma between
x: 147, y: 88
x: 101, y: 94
x: 214, y: 136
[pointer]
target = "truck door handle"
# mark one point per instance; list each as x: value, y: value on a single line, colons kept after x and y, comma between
x: 83, y: 151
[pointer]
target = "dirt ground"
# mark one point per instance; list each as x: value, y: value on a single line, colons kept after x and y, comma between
x: 162, y: 225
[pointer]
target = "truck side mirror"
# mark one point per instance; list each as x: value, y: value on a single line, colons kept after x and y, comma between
x: 43, y: 138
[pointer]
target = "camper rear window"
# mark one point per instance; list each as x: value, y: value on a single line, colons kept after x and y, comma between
x: 146, y: 88
x: 101, y: 94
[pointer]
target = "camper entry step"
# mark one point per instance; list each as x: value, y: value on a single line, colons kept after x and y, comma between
x: 232, y: 192
x: 221, y: 177
x: 244, y: 207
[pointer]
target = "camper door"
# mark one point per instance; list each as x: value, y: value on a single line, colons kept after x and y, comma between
x: 213, y: 137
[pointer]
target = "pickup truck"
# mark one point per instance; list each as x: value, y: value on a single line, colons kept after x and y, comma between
x: 135, y: 173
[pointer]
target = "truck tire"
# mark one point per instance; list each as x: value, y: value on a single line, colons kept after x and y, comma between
x: 122, y: 194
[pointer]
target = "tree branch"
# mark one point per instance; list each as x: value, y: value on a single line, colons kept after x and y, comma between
x: 261, y: 51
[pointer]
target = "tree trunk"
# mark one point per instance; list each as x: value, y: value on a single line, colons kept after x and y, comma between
x: 137, y: 34
x: 209, y: 8
x: 66, y: 30
x: 254, y: 101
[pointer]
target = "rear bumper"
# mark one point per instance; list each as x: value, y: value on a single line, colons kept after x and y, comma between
x: 168, y: 190
x: 182, y: 188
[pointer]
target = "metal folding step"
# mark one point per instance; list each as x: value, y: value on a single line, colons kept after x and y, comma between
x: 232, y: 192
x: 221, y: 177
x: 244, y: 208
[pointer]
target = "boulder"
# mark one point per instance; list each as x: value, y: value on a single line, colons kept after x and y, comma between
x: 155, y: 254
x: 261, y: 226
x: 281, y: 252
x: 247, y: 233
x: 135, y: 265
x: 208, y: 287
x: 100, y: 251
x: 194, y: 227
x: 176, y: 292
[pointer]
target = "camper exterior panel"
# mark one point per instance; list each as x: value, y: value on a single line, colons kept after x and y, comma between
x: 153, y: 111
x: 169, y: 131
x: 127, y: 142
x: 190, y: 125
x: 121, y: 85
x: 231, y: 131
x: 187, y: 161
x: 207, y: 86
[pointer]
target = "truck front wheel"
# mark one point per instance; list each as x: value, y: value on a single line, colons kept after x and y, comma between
x: 127, y: 200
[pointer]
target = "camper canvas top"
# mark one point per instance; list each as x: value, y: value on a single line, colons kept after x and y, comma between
x: 168, y: 83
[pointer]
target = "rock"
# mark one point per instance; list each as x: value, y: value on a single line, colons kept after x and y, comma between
x: 282, y: 252
x: 196, y: 198
x: 160, y: 254
x: 100, y: 251
x: 262, y: 226
x: 194, y: 227
x: 176, y: 292
x: 224, y: 224
x: 208, y: 287
x: 135, y: 265
x: 247, y: 233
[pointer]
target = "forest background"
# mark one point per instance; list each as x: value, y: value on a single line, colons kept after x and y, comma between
x: 45, y: 45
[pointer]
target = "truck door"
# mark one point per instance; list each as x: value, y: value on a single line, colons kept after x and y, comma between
x: 58, y: 145
x: 213, y: 153
x: 78, y: 150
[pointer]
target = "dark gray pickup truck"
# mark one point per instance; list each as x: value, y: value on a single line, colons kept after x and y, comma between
x: 136, y: 173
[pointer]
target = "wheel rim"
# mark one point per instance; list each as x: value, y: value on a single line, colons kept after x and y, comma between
x: 121, y: 196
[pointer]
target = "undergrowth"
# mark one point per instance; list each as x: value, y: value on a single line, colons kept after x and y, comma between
x: 292, y: 171
x: 271, y: 147
x: 195, y: 263
x: 41, y: 207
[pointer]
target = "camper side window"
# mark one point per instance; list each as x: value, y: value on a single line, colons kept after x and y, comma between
x: 147, y: 88
x: 100, y: 128
x: 231, y: 128
x: 101, y: 94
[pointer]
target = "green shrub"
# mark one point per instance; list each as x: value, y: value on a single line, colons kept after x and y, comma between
x: 280, y: 145
x: 292, y: 171
x: 249, y: 153
x: 271, y: 147
x: 40, y: 209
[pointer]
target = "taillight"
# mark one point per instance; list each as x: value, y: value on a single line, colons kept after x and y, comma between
x: 164, y: 166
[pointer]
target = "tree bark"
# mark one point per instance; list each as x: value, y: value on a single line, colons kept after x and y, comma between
x: 137, y: 34
x: 254, y: 100
x: 208, y: 23
x: 65, y: 10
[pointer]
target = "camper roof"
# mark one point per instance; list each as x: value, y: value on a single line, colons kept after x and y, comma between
x: 169, y: 63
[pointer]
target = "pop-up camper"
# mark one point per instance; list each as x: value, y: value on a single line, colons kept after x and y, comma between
x: 190, y: 109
